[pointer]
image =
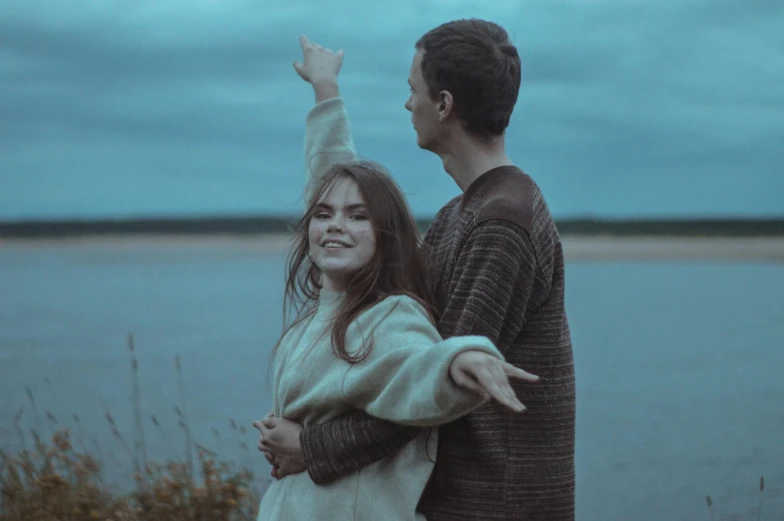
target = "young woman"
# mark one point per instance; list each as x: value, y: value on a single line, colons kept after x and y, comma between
x: 363, y: 337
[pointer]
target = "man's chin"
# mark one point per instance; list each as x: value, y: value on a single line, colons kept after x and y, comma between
x: 421, y: 143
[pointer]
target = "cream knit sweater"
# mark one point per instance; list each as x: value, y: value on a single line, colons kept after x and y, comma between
x: 405, y: 379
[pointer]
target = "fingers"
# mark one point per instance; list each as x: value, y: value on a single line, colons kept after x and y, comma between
x: 502, y: 380
x: 464, y: 381
x: 270, y: 458
x: 298, y: 67
x: 497, y: 385
x: 492, y: 377
x: 286, y: 468
x: 521, y: 374
x: 307, y: 45
x: 263, y: 446
x: 264, y: 426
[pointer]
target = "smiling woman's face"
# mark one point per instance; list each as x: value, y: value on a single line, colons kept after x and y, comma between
x: 341, y: 237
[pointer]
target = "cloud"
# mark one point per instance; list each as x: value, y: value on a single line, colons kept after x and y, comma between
x: 120, y: 107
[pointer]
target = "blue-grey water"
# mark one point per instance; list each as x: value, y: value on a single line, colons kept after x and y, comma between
x: 679, y: 365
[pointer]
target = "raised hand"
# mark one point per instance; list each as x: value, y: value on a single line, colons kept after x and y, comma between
x: 488, y: 376
x: 319, y: 66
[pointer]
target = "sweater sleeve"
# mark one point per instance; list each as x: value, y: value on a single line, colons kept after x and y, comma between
x: 405, y: 377
x: 492, y: 284
x: 349, y: 443
x: 328, y: 140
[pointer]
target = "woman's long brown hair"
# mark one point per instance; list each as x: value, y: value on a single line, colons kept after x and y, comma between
x: 399, y: 265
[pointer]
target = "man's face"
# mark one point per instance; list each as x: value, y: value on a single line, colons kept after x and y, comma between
x: 424, y: 114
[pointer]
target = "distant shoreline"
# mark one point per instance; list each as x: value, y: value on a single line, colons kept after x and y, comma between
x: 577, y: 248
x: 250, y: 226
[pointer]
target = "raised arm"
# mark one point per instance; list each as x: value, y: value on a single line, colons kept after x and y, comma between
x: 328, y: 139
x: 355, y: 440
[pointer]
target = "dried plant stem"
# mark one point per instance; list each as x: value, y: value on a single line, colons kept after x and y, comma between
x: 242, y: 433
x: 121, y: 439
x: 183, y: 417
x: 31, y: 399
x: 17, y: 417
x: 762, y: 490
x: 165, y: 437
x: 141, y: 442
x: 79, y: 433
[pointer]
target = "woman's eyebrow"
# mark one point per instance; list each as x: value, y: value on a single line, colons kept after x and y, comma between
x: 350, y: 207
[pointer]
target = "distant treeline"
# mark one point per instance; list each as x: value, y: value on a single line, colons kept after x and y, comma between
x: 278, y: 225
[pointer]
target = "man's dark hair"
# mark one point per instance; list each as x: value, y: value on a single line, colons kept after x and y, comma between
x: 475, y: 61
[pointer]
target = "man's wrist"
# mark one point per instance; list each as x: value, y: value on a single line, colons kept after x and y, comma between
x: 325, y: 90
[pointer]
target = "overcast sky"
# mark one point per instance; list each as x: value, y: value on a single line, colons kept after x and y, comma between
x: 175, y: 107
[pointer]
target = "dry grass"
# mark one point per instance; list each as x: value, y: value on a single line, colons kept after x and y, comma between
x: 56, y: 482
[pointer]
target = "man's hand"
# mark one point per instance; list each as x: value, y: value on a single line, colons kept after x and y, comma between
x: 488, y: 376
x: 279, y: 441
x: 319, y: 67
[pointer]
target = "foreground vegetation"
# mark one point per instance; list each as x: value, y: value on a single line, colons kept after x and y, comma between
x: 55, y: 481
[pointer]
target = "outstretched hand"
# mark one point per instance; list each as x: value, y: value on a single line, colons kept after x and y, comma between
x: 488, y: 376
x: 319, y: 66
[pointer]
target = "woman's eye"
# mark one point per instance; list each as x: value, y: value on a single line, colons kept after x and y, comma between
x: 359, y: 217
x: 321, y: 215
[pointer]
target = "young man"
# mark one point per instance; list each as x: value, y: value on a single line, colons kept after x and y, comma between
x: 498, y: 271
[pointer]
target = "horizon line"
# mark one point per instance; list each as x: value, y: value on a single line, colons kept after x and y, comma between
x: 423, y: 217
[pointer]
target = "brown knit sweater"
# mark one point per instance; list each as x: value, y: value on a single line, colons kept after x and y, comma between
x: 498, y: 270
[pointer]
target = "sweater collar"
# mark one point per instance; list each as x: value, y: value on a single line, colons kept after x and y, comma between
x: 328, y: 302
x: 489, y: 178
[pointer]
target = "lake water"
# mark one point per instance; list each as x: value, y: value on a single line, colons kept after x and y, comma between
x: 679, y: 365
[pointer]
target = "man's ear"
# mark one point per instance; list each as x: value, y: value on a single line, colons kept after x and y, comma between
x: 446, y: 105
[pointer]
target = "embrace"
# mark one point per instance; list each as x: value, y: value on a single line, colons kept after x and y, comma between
x: 397, y: 380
